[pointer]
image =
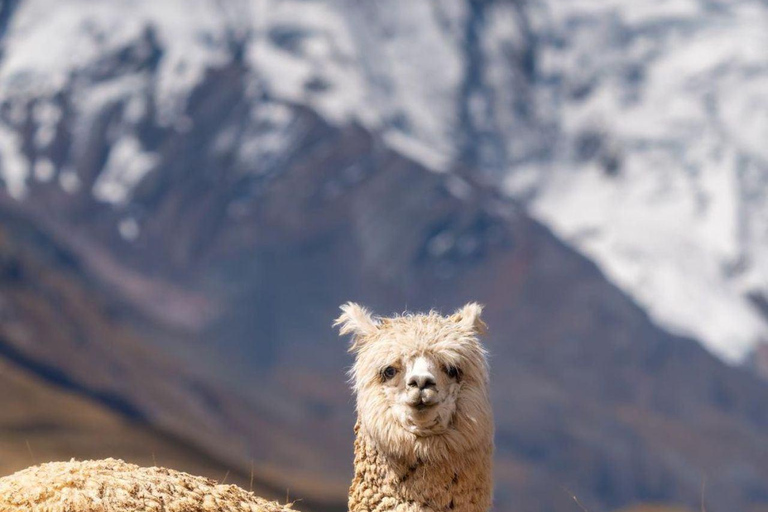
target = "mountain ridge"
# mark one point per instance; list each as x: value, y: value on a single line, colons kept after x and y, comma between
x: 513, y: 91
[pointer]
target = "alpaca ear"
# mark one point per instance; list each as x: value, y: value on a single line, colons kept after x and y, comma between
x: 469, y: 318
x: 357, y: 321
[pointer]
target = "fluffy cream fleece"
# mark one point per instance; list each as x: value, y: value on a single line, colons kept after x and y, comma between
x: 114, y: 486
x: 425, y: 429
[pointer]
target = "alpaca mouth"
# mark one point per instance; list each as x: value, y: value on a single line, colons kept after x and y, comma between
x: 423, y: 420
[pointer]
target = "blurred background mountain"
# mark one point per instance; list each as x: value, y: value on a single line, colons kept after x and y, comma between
x: 192, y: 187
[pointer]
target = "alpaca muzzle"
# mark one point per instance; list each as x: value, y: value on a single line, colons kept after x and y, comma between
x: 421, y: 399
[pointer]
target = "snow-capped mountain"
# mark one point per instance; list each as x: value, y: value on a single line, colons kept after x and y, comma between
x: 636, y: 130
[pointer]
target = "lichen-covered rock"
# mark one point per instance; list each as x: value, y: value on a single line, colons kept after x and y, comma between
x: 112, y: 485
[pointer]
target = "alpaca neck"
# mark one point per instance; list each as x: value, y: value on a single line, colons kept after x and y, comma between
x: 459, y: 484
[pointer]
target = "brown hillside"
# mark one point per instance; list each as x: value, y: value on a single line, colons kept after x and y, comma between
x: 40, y: 423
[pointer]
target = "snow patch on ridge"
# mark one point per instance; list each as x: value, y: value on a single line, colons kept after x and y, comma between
x: 395, y: 68
x: 663, y: 179
x: 13, y: 166
x: 126, y: 166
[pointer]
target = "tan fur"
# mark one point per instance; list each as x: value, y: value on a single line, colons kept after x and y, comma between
x: 406, y: 468
x: 114, y: 486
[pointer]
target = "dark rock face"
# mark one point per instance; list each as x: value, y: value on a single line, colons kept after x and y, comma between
x: 212, y: 319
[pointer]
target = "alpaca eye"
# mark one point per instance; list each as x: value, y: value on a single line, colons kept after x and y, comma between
x: 453, y: 372
x: 389, y: 372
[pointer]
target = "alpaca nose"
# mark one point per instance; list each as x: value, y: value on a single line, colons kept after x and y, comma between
x: 422, y: 381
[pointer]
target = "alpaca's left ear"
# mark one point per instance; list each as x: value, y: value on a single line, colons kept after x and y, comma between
x: 357, y: 321
x: 469, y: 318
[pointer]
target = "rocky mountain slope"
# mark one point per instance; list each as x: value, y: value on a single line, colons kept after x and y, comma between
x: 193, y: 188
x: 633, y: 130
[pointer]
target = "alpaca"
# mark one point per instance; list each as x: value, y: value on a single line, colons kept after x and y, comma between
x: 424, y: 434
x: 424, y: 428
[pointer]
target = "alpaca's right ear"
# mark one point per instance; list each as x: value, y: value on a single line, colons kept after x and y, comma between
x: 469, y: 317
x: 357, y: 321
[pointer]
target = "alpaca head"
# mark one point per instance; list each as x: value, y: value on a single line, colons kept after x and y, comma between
x: 421, y: 381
